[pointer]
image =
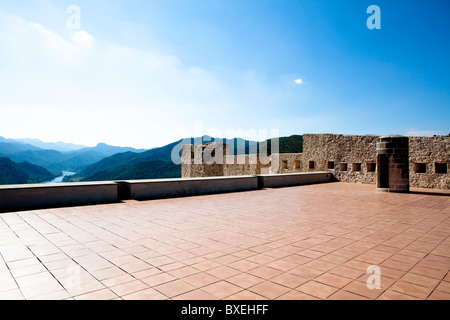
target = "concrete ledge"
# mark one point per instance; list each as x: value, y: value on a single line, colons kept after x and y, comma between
x: 293, y: 179
x: 22, y: 197
x: 36, y: 196
x: 151, y: 189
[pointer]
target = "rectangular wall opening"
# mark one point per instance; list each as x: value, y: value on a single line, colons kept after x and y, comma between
x: 440, y: 168
x: 284, y: 164
x: 371, y: 167
x: 297, y: 164
x: 343, y: 167
x: 420, y: 168
x: 311, y: 164
x: 356, y: 166
x: 330, y: 165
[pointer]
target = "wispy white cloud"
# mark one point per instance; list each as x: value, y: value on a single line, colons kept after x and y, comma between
x: 86, y: 89
x: 298, y: 81
x: 31, y: 43
x: 83, y: 39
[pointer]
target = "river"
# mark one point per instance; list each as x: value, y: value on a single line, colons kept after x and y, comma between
x: 60, y: 179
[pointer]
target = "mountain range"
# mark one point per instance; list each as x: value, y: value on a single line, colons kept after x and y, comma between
x: 104, y: 162
x: 57, y: 146
x: 56, y: 160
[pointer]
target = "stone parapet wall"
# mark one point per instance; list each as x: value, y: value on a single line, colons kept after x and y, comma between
x: 290, y: 162
x: 242, y: 165
x: 350, y: 158
x: 341, y: 155
x: 427, y: 151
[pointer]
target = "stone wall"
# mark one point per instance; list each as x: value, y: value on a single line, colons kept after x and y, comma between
x: 350, y: 158
x: 203, y: 160
x: 225, y: 164
x: 241, y: 165
x: 290, y: 162
x: 426, y: 152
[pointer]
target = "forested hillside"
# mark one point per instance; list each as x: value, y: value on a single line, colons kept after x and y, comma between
x: 142, y: 170
x: 22, y: 173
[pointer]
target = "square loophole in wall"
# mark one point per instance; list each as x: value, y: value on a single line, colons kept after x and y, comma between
x: 284, y: 164
x: 297, y: 164
x: 330, y: 165
x: 312, y: 164
x: 371, y: 167
x: 440, y: 168
x: 356, y: 166
x: 420, y: 168
x: 343, y: 167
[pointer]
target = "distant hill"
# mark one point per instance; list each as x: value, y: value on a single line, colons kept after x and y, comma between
x: 56, y: 161
x: 57, y: 146
x: 292, y: 144
x: 156, y: 169
x: 122, y: 160
x: 14, y: 147
x: 36, y: 144
x: 22, y: 173
x: 107, y: 150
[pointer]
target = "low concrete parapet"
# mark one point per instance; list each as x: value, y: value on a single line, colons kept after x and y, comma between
x: 36, y: 196
x: 22, y: 197
x: 161, y: 188
x: 293, y: 179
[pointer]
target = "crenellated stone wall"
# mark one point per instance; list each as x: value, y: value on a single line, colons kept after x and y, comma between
x: 346, y: 156
x: 350, y: 158
x: 429, y: 151
x: 290, y: 162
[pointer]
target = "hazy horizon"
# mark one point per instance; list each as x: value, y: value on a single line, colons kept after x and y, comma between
x: 130, y: 146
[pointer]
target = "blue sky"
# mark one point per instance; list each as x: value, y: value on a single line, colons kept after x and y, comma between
x: 146, y: 73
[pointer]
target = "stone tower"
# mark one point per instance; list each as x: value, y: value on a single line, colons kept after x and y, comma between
x: 393, y: 163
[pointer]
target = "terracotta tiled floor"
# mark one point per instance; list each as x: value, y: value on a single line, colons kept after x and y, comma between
x: 308, y: 242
